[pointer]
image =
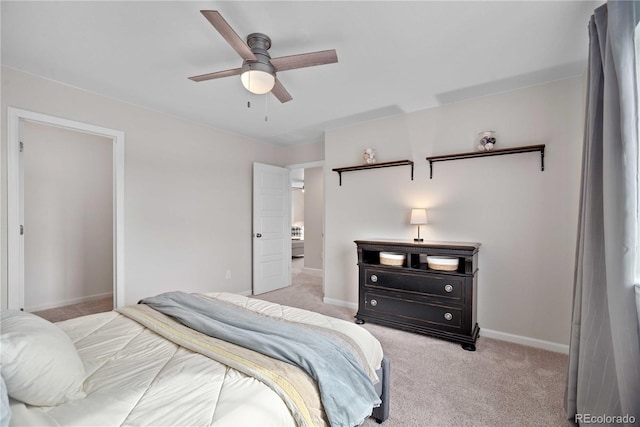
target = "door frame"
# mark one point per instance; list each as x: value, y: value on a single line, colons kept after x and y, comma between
x: 15, y: 248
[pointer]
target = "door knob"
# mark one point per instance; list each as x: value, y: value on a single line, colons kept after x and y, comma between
x: 258, y: 235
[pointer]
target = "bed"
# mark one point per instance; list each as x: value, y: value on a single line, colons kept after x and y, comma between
x: 297, y: 241
x: 139, y: 366
x: 297, y: 247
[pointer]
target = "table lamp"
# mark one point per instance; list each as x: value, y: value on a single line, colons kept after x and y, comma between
x: 418, y: 217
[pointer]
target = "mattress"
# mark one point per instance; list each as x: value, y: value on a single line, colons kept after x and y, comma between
x: 136, y: 377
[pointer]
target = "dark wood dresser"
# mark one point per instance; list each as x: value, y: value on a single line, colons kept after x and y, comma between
x: 414, y: 297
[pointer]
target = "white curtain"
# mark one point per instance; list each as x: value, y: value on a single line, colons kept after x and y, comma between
x: 604, y: 357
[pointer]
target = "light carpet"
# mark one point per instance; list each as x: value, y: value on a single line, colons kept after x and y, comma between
x: 437, y: 383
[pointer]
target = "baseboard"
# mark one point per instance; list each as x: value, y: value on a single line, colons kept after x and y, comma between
x: 531, y: 342
x: 71, y: 301
x: 340, y: 303
x: 245, y: 293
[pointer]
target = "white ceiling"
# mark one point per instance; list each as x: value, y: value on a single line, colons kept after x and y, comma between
x: 393, y: 56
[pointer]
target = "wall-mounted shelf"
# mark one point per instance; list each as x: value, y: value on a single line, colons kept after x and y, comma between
x: 515, y: 150
x: 374, y: 166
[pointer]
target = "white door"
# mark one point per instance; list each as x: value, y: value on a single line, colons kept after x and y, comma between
x: 271, y: 228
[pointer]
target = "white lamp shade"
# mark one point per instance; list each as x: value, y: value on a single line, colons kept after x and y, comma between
x: 258, y: 81
x: 418, y: 216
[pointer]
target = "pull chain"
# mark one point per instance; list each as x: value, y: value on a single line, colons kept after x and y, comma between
x: 266, y: 98
x: 249, y: 100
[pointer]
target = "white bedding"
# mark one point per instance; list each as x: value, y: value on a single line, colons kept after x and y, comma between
x: 136, y: 377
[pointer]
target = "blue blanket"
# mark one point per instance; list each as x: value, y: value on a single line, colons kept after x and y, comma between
x: 348, y: 395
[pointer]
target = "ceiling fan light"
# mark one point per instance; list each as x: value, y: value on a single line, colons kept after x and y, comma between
x: 258, y: 81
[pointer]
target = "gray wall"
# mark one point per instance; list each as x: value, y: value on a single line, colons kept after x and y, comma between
x: 525, y: 219
x: 185, y: 225
x: 313, y: 217
x: 297, y: 207
x: 68, y: 202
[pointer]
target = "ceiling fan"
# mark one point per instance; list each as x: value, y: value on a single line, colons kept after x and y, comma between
x: 258, y: 71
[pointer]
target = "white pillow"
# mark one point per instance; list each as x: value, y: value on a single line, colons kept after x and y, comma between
x: 40, y: 364
x: 5, y: 409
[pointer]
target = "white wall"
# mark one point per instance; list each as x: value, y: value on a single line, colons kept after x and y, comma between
x: 68, y: 201
x: 187, y: 188
x: 185, y: 225
x: 303, y: 153
x: 313, y: 217
x: 297, y: 207
x: 525, y: 219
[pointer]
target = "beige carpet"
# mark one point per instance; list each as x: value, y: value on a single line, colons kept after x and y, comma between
x: 437, y: 383
x: 76, y: 310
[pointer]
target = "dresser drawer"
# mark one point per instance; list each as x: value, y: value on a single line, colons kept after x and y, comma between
x: 420, y: 283
x: 413, y: 312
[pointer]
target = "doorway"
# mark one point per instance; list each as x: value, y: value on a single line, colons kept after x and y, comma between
x: 307, y: 219
x: 68, y: 217
x: 17, y: 119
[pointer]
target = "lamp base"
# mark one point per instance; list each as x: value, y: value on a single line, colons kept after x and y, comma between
x: 418, y: 240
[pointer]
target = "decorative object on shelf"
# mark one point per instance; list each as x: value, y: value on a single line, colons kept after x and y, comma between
x: 369, y: 156
x: 374, y: 166
x: 514, y: 150
x: 392, y: 258
x: 442, y: 263
x: 486, y: 140
x: 418, y: 217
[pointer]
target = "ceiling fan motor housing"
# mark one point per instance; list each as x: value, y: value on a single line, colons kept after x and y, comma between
x: 258, y: 75
x: 259, y: 41
x: 259, y: 44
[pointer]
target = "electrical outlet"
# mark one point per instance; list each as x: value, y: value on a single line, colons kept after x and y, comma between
x: 228, y: 274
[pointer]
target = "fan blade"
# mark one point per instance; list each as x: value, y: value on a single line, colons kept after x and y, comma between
x: 223, y: 27
x: 303, y: 60
x: 216, y: 75
x: 280, y: 92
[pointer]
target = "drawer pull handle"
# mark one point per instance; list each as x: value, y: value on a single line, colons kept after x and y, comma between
x: 448, y: 288
x: 374, y: 278
x: 374, y: 303
x: 448, y: 316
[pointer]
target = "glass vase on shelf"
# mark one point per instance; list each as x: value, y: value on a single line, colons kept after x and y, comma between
x: 369, y: 156
x: 486, y: 140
